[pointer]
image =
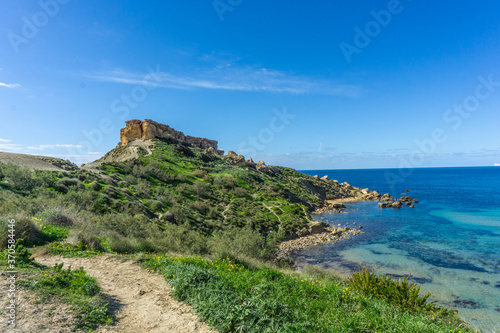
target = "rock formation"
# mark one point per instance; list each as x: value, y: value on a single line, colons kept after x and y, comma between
x: 148, y: 129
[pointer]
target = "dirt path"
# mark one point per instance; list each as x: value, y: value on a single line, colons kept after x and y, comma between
x: 140, y: 300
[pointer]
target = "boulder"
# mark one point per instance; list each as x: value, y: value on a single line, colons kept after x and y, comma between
x: 338, y: 205
x: 324, y: 178
x: 382, y: 205
x: 316, y: 227
x: 316, y: 177
x: 397, y: 204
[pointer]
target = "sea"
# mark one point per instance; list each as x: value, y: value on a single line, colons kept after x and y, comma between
x: 449, y: 243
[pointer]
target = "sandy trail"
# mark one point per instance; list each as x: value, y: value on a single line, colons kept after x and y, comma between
x: 140, y: 300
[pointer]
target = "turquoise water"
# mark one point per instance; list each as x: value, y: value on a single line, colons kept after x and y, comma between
x: 449, y: 243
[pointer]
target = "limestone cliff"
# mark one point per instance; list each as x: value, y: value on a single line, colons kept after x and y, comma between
x: 148, y: 129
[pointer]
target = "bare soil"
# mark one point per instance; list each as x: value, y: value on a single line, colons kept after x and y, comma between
x: 139, y: 300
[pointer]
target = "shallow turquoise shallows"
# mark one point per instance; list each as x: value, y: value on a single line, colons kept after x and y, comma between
x: 449, y: 243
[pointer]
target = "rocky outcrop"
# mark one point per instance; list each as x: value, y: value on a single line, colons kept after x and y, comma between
x: 149, y: 129
x: 323, y: 233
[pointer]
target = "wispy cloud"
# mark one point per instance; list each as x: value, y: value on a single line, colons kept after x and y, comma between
x: 233, y: 78
x: 43, y: 147
x: 4, y: 140
x: 10, y: 147
x: 10, y: 85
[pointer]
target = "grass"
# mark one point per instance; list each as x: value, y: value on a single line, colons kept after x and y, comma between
x: 73, y: 287
x: 234, y: 297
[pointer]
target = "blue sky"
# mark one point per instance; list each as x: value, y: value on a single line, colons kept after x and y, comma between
x: 310, y: 85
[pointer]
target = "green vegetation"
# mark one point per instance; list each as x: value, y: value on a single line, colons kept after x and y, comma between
x: 182, y: 200
x: 176, y: 199
x: 236, y: 297
x: 73, y: 287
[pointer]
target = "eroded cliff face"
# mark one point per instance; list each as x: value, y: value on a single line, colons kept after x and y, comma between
x: 148, y: 129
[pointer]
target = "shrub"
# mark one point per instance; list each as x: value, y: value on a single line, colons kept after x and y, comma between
x: 122, y: 244
x: 95, y: 186
x: 200, y: 188
x: 126, y: 225
x: 155, y: 205
x: 182, y: 178
x: 57, y: 216
x: 25, y: 229
x: 199, y: 173
x: 200, y: 206
x: 241, y: 243
x: 85, y: 239
x: 143, y: 189
x: 20, y: 178
x: 45, y: 178
x: 401, y: 292
x: 139, y: 172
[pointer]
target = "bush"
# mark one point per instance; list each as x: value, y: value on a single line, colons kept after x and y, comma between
x: 57, y: 216
x: 95, y: 186
x: 401, y: 292
x: 200, y: 188
x: 200, y: 206
x: 241, y: 243
x: 143, y: 189
x: 20, y: 178
x: 85, y: 239
x: 122, y: 244
x: 24, y: 229
x: 45, y: 178
x: 126, y: 225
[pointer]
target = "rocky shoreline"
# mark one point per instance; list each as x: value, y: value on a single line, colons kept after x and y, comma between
x: 320, y: 233
x: 324, y: 233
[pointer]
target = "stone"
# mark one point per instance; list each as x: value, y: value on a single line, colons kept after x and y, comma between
x: 316, y: 227
x: 324, y: 177
x: 262, y: 167
x: 412, y: 206
x: 316, y: 177
x: 397, y: 204
x: 148, y: 129
x: 382, y: 205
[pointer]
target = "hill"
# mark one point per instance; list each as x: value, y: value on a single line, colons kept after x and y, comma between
x: 211, y: 224
x: 36, y: 162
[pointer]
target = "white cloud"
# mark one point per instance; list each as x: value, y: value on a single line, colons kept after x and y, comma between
x: 4, y: 140
x: 43, y: 147
x: 10, y: 85
x: 10, y: 147
x: 231, y: 77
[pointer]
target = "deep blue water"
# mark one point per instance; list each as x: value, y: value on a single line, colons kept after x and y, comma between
x: 450, y: 241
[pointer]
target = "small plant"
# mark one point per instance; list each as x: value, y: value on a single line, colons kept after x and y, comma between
x: 400, y: 292
x: 76, y: 288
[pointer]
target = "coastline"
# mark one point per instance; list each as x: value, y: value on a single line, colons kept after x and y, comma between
x: 329, y: 234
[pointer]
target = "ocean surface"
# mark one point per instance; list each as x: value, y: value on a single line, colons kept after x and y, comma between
x: 449, y: 243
